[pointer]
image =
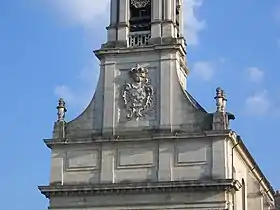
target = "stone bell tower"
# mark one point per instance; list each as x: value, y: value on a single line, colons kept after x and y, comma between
x: 143, y: 70
x: 139, y: 22
x: 144, y: 142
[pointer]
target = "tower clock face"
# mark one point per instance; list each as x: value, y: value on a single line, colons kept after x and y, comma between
x: 140, y: 3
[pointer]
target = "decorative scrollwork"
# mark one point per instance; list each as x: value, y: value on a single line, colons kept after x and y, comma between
x: 138, y: 95
x: 140, y: 3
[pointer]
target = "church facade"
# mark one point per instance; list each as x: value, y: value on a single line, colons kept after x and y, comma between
x: 144, y: 142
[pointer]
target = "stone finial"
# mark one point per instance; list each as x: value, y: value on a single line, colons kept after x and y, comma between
x: 61, y: 110
x: 224, y: 104
x: 219, y: 99
x: 221, y: 117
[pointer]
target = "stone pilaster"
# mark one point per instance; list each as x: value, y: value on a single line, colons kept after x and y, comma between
x: 123, y: 29
x: 168, y: 24
x: 181, y: 19
x: 57, y: 168
x: 156, y: 18
x: 59, y: 130
x: 173, y: 11
x: 114, y: 12
x: 108, y: 165
x: 218, y: 158
x: 109, y: 97
x: 220, y: 121
x: 166, y: 162
x: 112, y: 29
x: 166, y: 92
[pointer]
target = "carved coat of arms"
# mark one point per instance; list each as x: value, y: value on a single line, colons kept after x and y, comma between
x: 138, y: 94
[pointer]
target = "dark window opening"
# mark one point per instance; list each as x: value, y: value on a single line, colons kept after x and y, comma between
x: 140, y: 18
x: 178, y: 19
x: 243, y: 195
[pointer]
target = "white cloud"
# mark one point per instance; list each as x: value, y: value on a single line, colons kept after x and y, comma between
x: 192, y: 24
x: 83, y: 12
x: 222, y: 60
x: 258, y: 104
x: 88, y: 12
x: 203, y: 69
x: 254, y: 74
x: 86, y: 82
x: 64, y: 92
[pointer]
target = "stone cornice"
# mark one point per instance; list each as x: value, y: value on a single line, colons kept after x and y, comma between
x: 122, y: 188
x: 177, y: 45
x: 251, y: 163
x: 136, y: 137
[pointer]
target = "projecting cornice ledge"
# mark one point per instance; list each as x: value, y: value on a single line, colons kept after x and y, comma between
x: 123, y: 188
x: 137, y: 136
x: 120, y: 47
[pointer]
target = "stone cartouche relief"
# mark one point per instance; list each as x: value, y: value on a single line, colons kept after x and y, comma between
x: 138, y: 94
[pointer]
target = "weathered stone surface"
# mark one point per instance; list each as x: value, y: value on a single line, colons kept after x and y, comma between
x: 173, y: 107
x: 135, y: 160
x: 182, y: 200
x: 169, y: 153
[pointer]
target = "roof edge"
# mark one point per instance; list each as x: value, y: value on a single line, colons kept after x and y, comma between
x: 244, y: 152
x: 122, y: 138
x: 194, y: 102
x: 141, y: 187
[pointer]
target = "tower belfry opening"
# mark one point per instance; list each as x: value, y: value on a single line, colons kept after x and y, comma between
x: 140, y: 16
x: 178, y: 8
x: 135, y: 23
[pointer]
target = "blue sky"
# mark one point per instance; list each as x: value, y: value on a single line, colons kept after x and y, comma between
x: 46, y: 52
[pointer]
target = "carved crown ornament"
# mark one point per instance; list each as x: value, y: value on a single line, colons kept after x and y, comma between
x: 138, y: 94
x: 140, y: 3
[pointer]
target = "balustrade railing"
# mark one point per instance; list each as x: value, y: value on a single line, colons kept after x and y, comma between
x: 139, y: 38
